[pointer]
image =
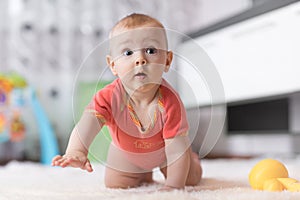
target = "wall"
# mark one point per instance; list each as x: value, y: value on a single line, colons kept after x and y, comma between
x: 259, y: 142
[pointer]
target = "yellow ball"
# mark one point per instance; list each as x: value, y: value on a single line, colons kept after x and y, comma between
x: 264, y: 170
x: 273, y: 185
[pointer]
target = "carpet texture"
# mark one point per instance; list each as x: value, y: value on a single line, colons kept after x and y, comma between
x: 222, y: 179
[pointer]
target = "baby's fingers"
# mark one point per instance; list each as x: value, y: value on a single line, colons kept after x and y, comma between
x: 61, y: 161
x: 88, y: 167
x: 71, y: 161
x: 57, y: 160
x: 64, y: 162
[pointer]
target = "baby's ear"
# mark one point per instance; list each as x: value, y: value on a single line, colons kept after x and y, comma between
x: 111, y: 65
x: 168, y: 60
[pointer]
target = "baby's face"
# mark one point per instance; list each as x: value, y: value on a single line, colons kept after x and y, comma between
x: 139, y: 56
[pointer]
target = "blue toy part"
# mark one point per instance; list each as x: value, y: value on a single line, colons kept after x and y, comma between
x: 4, y: 136
x: 49, y: 145
x: 17, y: 97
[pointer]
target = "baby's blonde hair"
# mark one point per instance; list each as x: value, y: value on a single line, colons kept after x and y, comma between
x: 135, y: 20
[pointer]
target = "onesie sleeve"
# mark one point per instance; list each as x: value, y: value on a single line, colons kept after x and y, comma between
x: 175, y: 120
x: 100, y: 105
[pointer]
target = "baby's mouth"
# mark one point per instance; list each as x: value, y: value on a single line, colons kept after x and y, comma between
x: 140, y: 75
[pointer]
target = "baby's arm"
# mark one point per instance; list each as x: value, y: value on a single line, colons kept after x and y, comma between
x: 178, y: 159
x: 81, y: 138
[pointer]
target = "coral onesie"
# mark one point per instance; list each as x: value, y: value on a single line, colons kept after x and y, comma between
x: 112, y: 106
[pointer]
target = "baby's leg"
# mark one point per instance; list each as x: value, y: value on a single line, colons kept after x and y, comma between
x: 195, y: 171
x: 120, y: 179
x: 121, y: 173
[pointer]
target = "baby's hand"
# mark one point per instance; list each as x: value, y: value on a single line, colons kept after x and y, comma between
x: 72, y: 161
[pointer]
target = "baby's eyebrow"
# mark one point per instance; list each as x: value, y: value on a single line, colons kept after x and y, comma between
x: 125, y: 42
x: 121, y: 44
x: 157, y: 43
x: 151, y: 40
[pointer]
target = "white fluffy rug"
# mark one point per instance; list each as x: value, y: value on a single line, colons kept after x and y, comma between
x: 223, y: 179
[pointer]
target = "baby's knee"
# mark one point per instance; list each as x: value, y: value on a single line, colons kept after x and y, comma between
x: 121, y: 180
x: 195, y: 176
x: 120, y: 183
x: 115, y: 185
x: 195, y: 180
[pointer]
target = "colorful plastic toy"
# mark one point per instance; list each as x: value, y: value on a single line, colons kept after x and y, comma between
x: 12, y: 127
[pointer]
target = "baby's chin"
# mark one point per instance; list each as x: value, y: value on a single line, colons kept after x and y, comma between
x: 145, y: 87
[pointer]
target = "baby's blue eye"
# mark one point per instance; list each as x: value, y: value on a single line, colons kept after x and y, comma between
x: 151, y: 50
x: 128, y: 53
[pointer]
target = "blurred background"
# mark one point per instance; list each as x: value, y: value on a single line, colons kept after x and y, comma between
x: 45, y: 43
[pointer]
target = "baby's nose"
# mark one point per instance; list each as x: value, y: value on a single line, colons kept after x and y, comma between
x: 140, y: 60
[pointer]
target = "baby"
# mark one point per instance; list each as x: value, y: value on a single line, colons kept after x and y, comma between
x: 144, y: 114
